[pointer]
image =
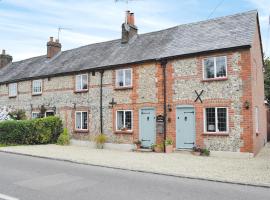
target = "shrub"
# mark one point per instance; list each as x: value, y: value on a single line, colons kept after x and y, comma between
x: 18, y: 115
x: 63, y: 138
x: 168, y: 142
x: 35, y: 131
x: 100, y: 140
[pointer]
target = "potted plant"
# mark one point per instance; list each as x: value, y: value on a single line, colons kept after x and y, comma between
x: 196, y: 151
x: 201, y: 151
x: 138, y: 144
x: 158, y: 148
x: 168, y: 145
x: 100, y: 140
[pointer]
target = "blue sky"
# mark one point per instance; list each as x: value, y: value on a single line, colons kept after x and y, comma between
x: 26, y: 25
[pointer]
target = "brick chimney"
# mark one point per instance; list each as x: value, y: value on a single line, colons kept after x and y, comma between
x: 5, y: 59
x: 129, y: 29
x: 53, y: 47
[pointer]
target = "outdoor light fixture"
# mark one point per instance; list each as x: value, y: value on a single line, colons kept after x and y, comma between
x: 247, y: 104
x: 169, y: 107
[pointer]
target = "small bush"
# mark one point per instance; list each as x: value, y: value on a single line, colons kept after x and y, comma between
x: 18, y: 115
x: 168, y: 142
x: 100, y: 140
x: 63, y: 138
x: 35, y: 131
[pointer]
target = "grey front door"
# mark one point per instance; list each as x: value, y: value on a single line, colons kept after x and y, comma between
x: 185, y: 127
x: 147, y: 123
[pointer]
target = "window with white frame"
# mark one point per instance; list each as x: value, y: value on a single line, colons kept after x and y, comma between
x: 124, y: 78
x: 216, y: 119
x: 37, y: 86
x: 12, y: 89
x: 124, y: 120
x: 257, y: 119
x: 215, y: 67
x: 81, y: 120
x: 81, y: 82
x: 35, y: 115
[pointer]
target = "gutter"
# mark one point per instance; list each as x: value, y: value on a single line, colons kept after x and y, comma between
x: 123, y: 64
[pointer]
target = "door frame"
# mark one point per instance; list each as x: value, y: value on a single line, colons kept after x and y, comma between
x: 140, y: 126
x: 195, y: 134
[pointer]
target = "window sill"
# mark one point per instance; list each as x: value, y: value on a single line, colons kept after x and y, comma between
x: 216, y: 134
x: 123, y: 132
x: 215, y: 79
x: 80, y: 91
x: 123, y: 88
x: 12, y: 97
x: 81, y: 131
x: 36, y: 94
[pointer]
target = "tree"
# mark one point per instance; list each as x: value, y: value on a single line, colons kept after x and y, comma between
x: 267, y: 78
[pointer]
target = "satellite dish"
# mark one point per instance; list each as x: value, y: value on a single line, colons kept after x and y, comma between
x: 127, y: 27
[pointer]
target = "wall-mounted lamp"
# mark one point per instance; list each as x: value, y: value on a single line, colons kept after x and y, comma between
x: 247, y: 104
x: 169, y: 107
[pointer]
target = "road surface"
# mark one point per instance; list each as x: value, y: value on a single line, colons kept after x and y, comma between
x: 28, y: 178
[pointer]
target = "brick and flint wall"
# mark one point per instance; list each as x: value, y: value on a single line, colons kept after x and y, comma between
x: 184, y: 76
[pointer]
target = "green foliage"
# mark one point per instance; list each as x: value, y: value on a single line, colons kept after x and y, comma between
x: 18, y: 115
x: 35, y: 131
x: 168, y: 142
x: 64, y: 139
x: 267, y: 78
x: 100, y: 140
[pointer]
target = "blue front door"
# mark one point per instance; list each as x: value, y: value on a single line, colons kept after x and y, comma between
x: 185, y: 128
x: 147, y: 127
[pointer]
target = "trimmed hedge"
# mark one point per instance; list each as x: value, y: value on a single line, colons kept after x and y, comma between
x: 34, y: 131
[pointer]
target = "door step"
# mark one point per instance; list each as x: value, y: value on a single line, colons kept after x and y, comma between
x: 144, y: 150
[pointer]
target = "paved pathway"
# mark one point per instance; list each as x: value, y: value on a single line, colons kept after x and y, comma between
x: 244, y: 170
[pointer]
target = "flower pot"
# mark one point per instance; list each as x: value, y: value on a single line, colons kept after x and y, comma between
x: 169, y: 148
x: 158, y: 149
x: 196, y: 153
x: 138, y: 146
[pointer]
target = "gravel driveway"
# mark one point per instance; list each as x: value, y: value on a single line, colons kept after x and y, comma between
x: 255, y: 171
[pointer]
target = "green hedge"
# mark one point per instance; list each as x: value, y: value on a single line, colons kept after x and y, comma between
x: 35, y: 131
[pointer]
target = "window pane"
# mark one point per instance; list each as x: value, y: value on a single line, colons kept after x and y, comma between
x: 210, y: 120
x: 221, y: 66
x: 128, y: 120
x: 209, y: 68
x: 84, y: 120
x: 37, y: 86
x: 78, y: 82
x: 222, y: 119
x: 78, y: 120
x: 120, y: 78
x: 120, y: 120
x: 84, y: 82
x: 12, y: 89
x: 128, y: 77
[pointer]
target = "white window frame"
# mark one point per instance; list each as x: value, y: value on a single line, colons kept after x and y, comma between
x: 116, y: 124
x: 257, y: 119
x: 216, y: 121
x: 33, y: 86
x: 81, y: 129
x: 124, y: 77
x: 32, y: 115
x: 10, y: 87
x: 215, y: 68
x: 47, y: 111
x: 79, y: 76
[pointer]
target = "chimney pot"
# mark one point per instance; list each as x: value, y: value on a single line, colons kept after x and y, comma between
x: 53, y: 47
x: 128, y: 28
x: 5, y: 59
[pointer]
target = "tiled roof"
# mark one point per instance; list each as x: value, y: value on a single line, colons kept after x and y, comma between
x: 220, y: 33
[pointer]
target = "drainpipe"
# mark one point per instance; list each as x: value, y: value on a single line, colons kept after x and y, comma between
x: 163, y: 65
x: 101, y: 101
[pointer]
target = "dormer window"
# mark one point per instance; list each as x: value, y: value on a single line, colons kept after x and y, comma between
x: 12, y: 89
x: 123, y: 78
x: 215, y: 67
x: 37, y: 87
x: 81, y: 82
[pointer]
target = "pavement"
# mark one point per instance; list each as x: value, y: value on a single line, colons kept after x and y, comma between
x: 242, y: 170
x: 31, y: 178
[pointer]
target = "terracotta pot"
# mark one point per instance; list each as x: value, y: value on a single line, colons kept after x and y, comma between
x: 169, y: 149
x: 158, y: 149
x: 196, y: 153
x: 138, y: 146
